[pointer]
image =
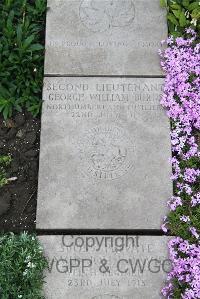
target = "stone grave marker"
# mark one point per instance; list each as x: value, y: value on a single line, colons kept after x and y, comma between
x: 104, y: 37
x: 105, y: 146
x: 105, y: 267
x: 104, y: 154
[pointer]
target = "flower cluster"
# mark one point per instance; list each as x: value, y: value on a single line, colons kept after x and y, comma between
x: 181, y: 99
x: 186, y: 268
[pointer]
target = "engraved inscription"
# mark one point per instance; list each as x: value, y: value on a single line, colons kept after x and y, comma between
x: 100, y: 16
x: 109, y: 267
x: 107, y: 152
x: 104, y: 37
x: 134, y: 102
x: 65, y: 44
x: 106, y: 297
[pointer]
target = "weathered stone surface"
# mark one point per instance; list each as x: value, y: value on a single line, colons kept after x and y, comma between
x: 104, y: 37
x: 105, y: 267
x: 104, y: 154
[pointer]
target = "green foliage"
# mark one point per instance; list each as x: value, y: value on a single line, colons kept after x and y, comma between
x: 21, y: 267
x: 181, y: 229
x: 21, y: 55
x: 4, y: 162
x: 178, y: 289
x: 182, y: 14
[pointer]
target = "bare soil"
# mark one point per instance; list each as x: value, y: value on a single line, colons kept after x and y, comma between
x: 20, y: 137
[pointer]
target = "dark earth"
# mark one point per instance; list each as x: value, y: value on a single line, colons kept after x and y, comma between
x: 20, y: 137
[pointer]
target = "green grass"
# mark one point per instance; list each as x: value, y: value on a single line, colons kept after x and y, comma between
x: 21, y: 55
x: 21, y: 267
x: 4, y: 162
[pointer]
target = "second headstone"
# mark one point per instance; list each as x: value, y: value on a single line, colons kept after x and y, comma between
x: 104, y: 154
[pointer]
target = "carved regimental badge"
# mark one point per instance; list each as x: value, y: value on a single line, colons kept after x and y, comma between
x: 101, y: 15
x: 106, y: 152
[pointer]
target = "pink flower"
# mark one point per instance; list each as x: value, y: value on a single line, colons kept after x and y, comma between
x: 181, y: 99
x: 174, y: 202
x: 195, y: 200
x: 191, y: 174
x: 185, y: 218
x: 194, y: 232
